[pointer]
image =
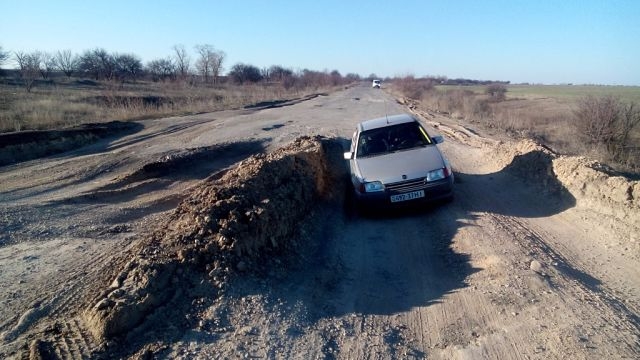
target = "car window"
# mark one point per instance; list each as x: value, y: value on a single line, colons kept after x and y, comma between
x: 392, y: 138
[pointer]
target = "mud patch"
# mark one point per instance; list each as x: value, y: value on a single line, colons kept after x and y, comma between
x: 273, y: 104
x: 225, y: 226
x: 272, y: 127
x: 26, y: 145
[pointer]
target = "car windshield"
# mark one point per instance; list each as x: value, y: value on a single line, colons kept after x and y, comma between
x: 391, y: 139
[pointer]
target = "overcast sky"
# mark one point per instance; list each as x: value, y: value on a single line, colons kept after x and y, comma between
x: 580, y: 42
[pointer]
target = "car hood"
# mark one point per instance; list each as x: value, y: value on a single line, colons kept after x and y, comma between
x: 390, y: 168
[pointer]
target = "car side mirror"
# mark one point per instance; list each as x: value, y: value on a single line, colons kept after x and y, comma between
x: 438, y: 139
x: 348, y: 155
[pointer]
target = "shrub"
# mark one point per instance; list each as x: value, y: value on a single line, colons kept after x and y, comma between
x: 607, y: 122
x: 242, y: 73
x: 414, y: 88
x: 496, y: 91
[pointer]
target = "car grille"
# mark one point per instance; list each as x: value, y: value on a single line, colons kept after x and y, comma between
x: 406, y: 186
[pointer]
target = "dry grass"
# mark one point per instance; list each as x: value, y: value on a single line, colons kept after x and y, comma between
x: 72, y: 102
x: 543, y: 113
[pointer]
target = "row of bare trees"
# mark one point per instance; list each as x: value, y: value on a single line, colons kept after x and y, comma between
x: 207, y: 68
x: 100, y: 64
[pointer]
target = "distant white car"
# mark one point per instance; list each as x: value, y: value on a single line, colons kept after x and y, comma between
x: 375, y: 84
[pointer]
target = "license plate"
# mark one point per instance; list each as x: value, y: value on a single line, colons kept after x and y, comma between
x: 407, y: 196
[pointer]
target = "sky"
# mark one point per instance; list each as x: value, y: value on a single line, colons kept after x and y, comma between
x: 539, y: 41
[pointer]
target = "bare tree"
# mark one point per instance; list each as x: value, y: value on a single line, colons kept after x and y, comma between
x: 99, y: 63
x: 209, y: 63
x: 21, y: 58
x: 279, y: 73
x: 47, y: 64
x: 218, y: 59
x: 66, y: 62
x: 4, y: 56
x: 181, y: 61
x: 241, y: 74
x: 127, y: 66
x: 335, y: 77
x: 107, y: 63
x: 29, y: 66
x: 161, y: 69
x: 352, y: 77
x: 282, y: 75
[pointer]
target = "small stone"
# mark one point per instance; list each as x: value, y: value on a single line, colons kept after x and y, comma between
x: 536, y: 266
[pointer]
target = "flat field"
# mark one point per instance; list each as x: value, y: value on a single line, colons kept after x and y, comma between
x: 63, y: 102
x: 560, y: 92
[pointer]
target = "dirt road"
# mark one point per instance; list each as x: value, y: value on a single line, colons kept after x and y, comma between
x: 516, y: 267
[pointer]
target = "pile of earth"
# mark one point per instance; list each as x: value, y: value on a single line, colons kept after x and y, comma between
x: 31, y: 144
x: 592, y: 184
x: 230, y: 223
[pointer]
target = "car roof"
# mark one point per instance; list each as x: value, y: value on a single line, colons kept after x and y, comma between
x: 386, y: 121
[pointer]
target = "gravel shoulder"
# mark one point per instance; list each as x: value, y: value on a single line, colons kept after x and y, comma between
x: 537, y: 256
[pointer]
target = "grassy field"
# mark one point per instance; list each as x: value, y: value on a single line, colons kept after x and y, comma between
x: 573, y: 92
x: 558, y: 92
x: 68, y: 102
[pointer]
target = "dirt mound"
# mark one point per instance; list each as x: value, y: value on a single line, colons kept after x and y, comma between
x: 592, y: 184
x: 225, y: 225
x: 26, y: 145
x: 530, y: 161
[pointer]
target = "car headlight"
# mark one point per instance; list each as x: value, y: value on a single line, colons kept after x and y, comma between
x: 373, y: 186
x: 435, y: 175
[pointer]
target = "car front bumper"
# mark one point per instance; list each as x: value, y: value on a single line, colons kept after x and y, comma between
x: 433, y: 191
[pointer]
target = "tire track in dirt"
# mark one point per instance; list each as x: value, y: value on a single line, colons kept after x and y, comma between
x: 59, y: 298
x: 589, y: 289
x: 609, y: 318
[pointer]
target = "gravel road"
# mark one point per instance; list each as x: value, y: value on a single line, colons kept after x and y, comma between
x: 509, y: 270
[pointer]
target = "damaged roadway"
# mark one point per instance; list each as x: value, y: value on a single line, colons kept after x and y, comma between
x: 229, y: 235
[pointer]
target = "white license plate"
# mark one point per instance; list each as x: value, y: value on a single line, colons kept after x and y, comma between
x: 407, y: 196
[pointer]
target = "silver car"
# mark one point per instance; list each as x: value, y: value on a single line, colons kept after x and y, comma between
x: 394, y: 160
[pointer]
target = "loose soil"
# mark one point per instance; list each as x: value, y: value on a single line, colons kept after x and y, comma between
x: 229, y: 235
